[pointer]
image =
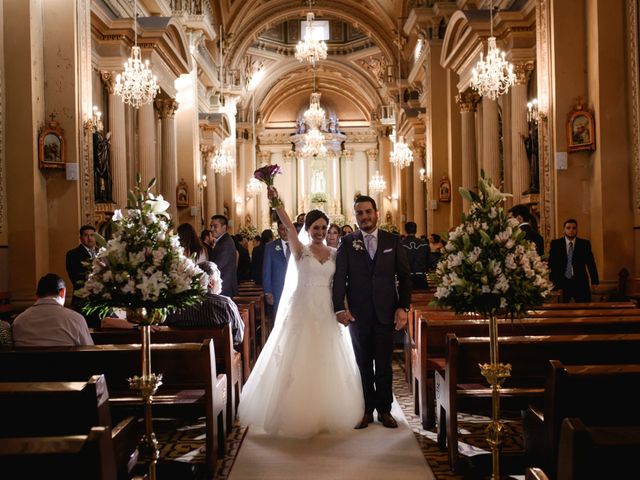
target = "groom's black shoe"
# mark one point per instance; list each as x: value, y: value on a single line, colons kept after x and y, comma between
x: 387, y: 420
x: 367, y: 418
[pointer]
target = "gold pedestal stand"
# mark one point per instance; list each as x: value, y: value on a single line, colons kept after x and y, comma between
x: 495, y: 373
x: 147, y: 385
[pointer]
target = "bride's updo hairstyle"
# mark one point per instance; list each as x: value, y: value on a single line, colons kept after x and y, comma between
x: 313, y: 216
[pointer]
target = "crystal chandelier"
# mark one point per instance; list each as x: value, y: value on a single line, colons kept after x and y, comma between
x: 314, y: 116
x: 223, y: 161
x: 254, y: 187
x: 313, y: 143
x: 310, y: 49
x: 493, y: 75
x: 137, y: 85
x: 377, y: 183
x: 401, y: 156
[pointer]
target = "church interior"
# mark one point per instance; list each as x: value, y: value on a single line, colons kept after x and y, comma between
x: 393, y: 108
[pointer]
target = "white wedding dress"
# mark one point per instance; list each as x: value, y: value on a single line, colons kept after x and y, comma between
x: 306, y: 379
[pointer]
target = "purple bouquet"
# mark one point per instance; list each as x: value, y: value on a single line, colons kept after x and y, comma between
x: 266, y: 175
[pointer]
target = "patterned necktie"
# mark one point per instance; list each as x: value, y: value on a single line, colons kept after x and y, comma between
x: 287, y: 250
x: 568, y: 272
x: 370, y: 240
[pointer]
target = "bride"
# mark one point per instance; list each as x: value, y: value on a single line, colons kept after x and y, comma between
x: 306, y: 379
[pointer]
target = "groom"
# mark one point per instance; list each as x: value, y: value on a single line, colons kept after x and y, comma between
x: 368, y: 264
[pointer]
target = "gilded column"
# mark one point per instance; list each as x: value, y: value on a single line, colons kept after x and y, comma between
x: 146, y: 143
x: 519, y: 161
x: 166, y: 108
x: 491, y: 141
x: 468, y: 102
x: 117, y: 142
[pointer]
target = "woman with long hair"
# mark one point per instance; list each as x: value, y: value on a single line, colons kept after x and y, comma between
x: 191, y: 243
x: 333, y: 236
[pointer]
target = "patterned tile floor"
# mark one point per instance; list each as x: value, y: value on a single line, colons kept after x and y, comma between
x: 184, y: 444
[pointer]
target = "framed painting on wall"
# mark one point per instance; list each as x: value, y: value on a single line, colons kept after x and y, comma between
x: 51, y: 146
x: 444, y: 190
x: 580, y: 129
x: 182, y: 194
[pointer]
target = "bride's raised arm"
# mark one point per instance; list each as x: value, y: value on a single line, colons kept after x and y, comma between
x: 292, y: 234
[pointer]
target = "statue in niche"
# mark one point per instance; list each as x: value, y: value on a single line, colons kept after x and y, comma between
x: 301, y: 127
x: 102, y: 182
x: 318, y: 182
x: 531, y: 147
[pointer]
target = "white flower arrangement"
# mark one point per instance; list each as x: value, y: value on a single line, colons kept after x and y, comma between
x: 143, y: 264
x: 389, y: 227
x: 249, y: 232
x: 357, y: 245
x: 487, y: 266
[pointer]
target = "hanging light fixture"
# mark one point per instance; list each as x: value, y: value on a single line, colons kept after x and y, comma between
x: 401, y: 156
x: 314, y: 143
x: 254, y: 187
x: 377, y: 183
x: 224, y: 161
x: 493, y: 75
x: 310, y: 49
x: 314, y: 116
x: 137, y: 85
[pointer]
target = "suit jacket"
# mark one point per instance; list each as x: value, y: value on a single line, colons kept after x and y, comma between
x: 582, y: 261
x: 224, y: 256
x: 75, y: 269
x: 274, y: 270
x: 370, y: 285
x: 533, y: 236
x: 257, y: 260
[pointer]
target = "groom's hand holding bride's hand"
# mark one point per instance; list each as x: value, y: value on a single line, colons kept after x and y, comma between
x: 345, y: 317
x: 401, y: 319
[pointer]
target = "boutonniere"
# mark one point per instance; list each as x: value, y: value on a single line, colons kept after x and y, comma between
x: 278, y: 248
x: 357, y: 245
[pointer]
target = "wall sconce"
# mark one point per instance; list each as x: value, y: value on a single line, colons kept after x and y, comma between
x: 238, y: 200
x: 96, y: 120
x: 532, y: 111
x: 202, y: 184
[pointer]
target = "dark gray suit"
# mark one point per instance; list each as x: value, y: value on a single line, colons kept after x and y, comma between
x: 370, y: 289
x: 224, y: 256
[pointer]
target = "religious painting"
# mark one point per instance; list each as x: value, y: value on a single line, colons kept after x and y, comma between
x: 182, y: 194
x: 580, y: 129
x: 444, y: 190
x: 51, y: 147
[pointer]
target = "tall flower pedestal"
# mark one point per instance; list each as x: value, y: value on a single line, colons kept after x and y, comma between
x: 495, y: 373
x: 147, y: 385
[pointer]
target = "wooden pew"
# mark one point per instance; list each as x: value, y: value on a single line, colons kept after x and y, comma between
x: 598, y: 394
x: 461, y: 381
x: 535, y: 473
x: 430, y: 344
x: 190, y: 384
x: 250, y: 306
x: 34, y: 409
x: 261, y: 324
x: 228, y: 361
x: 72, y: 457
x: 597, y: 452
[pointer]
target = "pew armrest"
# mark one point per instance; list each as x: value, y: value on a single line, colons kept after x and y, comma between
x: 534, y: 434
x: 125, y: 436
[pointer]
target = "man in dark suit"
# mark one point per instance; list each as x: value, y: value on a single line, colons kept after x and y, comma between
x: 417, y: 255
x: 225, y: 255
x: 368, y: 263
x: 78, y: 270
x: 523, y: 215
x: 569, y: 259
x: 274, y: 268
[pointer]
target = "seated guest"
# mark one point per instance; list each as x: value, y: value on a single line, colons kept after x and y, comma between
x: 191, y: 243
x: 47, y: 323
x: 215, y: 310
x: 6, y: 337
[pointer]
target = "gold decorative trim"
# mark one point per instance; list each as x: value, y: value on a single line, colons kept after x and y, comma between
x: 468, y: 101
x: 633, y: 60
x: 3, y: 192
x: 523, y: 72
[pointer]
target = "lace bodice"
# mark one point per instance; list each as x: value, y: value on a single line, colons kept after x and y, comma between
x: 313, y: 273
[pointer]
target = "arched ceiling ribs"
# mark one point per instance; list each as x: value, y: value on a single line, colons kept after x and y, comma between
x: 256, y: 17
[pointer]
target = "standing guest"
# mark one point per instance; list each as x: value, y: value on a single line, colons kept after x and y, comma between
x: 346, y: 230
x: 225, y: 255
x: 47, y: 323
x: 77, y: 262
x: 417, y: 255
x: 521, y: 213
x: 257, y: 257
x: 207, y: 240
x: 569, y: 259
x: 274, y: 269
x: 300, y: 218
x: 333, y: 236
x: 191, y: 243
x: 244, y: 259
x: 298, y: 226
x: 215, y: 310
x: 435, y: 251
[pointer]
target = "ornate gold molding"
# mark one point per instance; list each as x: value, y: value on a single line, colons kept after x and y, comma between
x: 166, y: 107
x: 633, y: 59
x: 468, y: 101
x: 109, y: 81
x: 523, y: 72
x: 372, y: 154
